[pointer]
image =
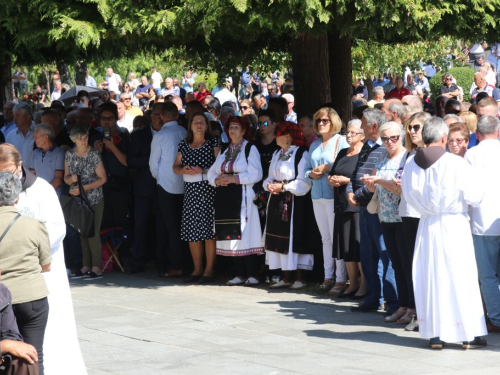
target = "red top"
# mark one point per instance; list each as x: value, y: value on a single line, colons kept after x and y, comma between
x: 398, y: 94
x: 200, y: 97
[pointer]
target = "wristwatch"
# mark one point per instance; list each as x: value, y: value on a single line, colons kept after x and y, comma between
x: 282, y: 187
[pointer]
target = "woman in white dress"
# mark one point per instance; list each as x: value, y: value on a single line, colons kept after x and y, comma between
x: 237, y: 225
x: 38, y: 200
x: 286, y: 182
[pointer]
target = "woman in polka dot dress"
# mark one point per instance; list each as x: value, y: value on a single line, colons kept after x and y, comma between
x: 196, y: 155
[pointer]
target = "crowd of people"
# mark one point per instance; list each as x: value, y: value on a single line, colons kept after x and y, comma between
x: 390, y: 209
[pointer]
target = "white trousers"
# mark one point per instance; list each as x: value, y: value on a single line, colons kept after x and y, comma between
x: 323, y: 211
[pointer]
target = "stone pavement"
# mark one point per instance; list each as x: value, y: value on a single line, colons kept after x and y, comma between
x: 138, y: 324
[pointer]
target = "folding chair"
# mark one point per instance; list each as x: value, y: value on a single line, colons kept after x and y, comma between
x: 113, y: 238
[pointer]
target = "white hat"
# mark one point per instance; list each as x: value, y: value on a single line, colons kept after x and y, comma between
x: 476, y: 48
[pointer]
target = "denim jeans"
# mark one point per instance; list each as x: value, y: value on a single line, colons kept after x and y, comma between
x: 377, y: 267
x: 487, y: 249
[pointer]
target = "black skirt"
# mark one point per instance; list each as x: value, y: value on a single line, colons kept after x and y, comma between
x: 227, y: 212
x: 346, y: 236
x: 279, y: 216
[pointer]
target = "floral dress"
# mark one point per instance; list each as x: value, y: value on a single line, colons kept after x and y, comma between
x: 388, y: 201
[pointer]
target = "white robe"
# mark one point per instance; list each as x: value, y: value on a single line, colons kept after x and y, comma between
x: 249, y: 173
x: 280, y: 171
x: 445, y: 276
x: 61, y: 349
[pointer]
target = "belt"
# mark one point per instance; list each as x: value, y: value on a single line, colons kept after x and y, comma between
x: 195, y: 178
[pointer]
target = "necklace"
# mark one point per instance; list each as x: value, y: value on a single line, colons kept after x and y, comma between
x: 232, y: 152
x: 285, y: 157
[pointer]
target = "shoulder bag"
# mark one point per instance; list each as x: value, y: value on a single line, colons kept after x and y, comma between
x: 77, y: 212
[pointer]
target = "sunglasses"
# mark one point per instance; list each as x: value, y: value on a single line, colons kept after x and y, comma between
x: 244, y: 107
x: 392, y: 138
x: 415, y: 128
x: 323, y: 120
x: 458, y: 141
x: 265, y: 123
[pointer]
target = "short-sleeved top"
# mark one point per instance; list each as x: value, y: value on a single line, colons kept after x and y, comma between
x: 388, y: 201
x: 185, y: 84
x: 445, y: 89
x: 202, y: 156
x: 86, y: 166
x: 46, y: 164
x: 141, y: 89
x: 344, y: 166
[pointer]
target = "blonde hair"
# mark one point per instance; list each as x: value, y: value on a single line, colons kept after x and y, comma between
x: 470, y: 119
x: 335, y: 121
x: 421, y: 117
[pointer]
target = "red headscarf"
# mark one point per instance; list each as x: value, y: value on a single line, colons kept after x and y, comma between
x: 288, y: 127
x: 242, y: 122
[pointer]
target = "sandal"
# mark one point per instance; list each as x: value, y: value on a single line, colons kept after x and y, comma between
x: 235, y: 281
x: 327, y: 284
x: 398, y: 314
x: 252, y: 281
x: 91, y: 275
x: 337, y: 289
x: 78, y: 274
x: 407, y: 318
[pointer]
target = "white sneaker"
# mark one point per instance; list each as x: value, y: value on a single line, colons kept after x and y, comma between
x: 236, y: 281
x: 280, y: 284
x: 298, y: 285
x: 413, y: 326
x: 275, y: 279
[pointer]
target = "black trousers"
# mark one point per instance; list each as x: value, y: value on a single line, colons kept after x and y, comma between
x: 143, y: 210
x: 32, y: 319
x: 410, y: 228
x: 396, y: 247
x: 248, y: 265
x: 171, y: 212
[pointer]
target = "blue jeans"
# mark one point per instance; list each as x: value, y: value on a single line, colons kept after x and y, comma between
x: 377, y: 267
x: 487, y: 249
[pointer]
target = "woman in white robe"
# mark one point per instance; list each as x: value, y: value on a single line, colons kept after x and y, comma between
x: 38, y: 200
x: 439, y: 186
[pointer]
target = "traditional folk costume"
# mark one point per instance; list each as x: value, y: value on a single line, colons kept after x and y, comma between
x: 439, y: 186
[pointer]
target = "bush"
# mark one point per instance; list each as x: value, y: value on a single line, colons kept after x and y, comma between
x: 464, y: 77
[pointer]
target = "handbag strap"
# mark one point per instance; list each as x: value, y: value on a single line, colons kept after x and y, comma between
x: 82, y: 191
x: 336, y: 151
x: 10, y: 226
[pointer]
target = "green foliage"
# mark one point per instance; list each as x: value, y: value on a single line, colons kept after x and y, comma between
x: 464, y: 77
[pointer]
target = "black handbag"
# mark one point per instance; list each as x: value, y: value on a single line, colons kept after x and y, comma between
x: 77, y: 212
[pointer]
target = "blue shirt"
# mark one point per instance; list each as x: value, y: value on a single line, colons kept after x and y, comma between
x: 46, y: 164
x: 24, y: 143
x: 141, y: 89
x: 90, y: 81
x: 318, y: 156
x: 163, y: 155
x: 8, y: 127
x: 380, y: 83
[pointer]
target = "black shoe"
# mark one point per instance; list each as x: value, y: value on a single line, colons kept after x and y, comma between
x: 135, y: 269
x: 366, y: 308
x: 359, y: 297
x: 347, y: 295
x: 206, y: 280
x: 478, y: 342
x: 192, y: 278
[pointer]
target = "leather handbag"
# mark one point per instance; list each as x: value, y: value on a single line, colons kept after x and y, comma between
x: 373, y: 206
x: 77, y: 212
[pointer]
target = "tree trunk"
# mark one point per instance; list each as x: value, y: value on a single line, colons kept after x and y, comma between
x: 339, y: 49
x: 369, y: 87
x: 81, y: 73
x: 64, y: 74
x: 5, y: 82
x: 311, y: 76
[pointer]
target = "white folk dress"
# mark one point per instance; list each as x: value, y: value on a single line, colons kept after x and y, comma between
x: 248, y: 173
x: 445, y: 276
x: 280, y: 170
x: 61, y: 349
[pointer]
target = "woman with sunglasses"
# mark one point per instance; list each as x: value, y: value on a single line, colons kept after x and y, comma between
x: 246, y: 107
x: 385, y: 182
x: 410, y: 218
x: 322, y: 154
x: 458, y: 138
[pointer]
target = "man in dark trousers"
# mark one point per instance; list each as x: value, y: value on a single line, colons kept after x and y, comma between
x: 145, y: 192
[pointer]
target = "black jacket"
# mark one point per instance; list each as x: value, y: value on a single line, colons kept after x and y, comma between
x: 138, y: 157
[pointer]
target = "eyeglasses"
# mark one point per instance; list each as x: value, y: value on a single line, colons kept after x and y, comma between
x: 265, y: 124
x: 244, y: 107
x: 392, y: 138
x: 353, y: 133
x: 449, y: 79
x: 415, y: 128
x: 323, y: 120
x: 458, y: 141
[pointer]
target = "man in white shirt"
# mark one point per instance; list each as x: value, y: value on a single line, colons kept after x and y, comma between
x: 57, y: 90
x: 290, y: 100
x: 22, y: 137
x: 124, y: 119
x: 170, y: 187
x: 225, y: 95
x: 156, y: 80
x: 114, y: 81
x: 485, y: 218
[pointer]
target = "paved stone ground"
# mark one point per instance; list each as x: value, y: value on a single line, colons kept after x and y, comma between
x: 138, y: 324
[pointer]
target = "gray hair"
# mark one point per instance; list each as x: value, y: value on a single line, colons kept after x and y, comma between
x: 434, y: 128
x: 357, y: 123
x: 38, y: 117
x: 373, y: 116
x: 25, y: 107
x: 77, y: 132
x: 454, y: 117
x: 10, y: 188
x: 396, y: 106
x: 488, y: 125
x: 390, y: 125
x: 46, y: 129
x: 378, y: 90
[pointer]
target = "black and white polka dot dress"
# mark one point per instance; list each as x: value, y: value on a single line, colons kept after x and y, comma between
x: 198, y: 211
